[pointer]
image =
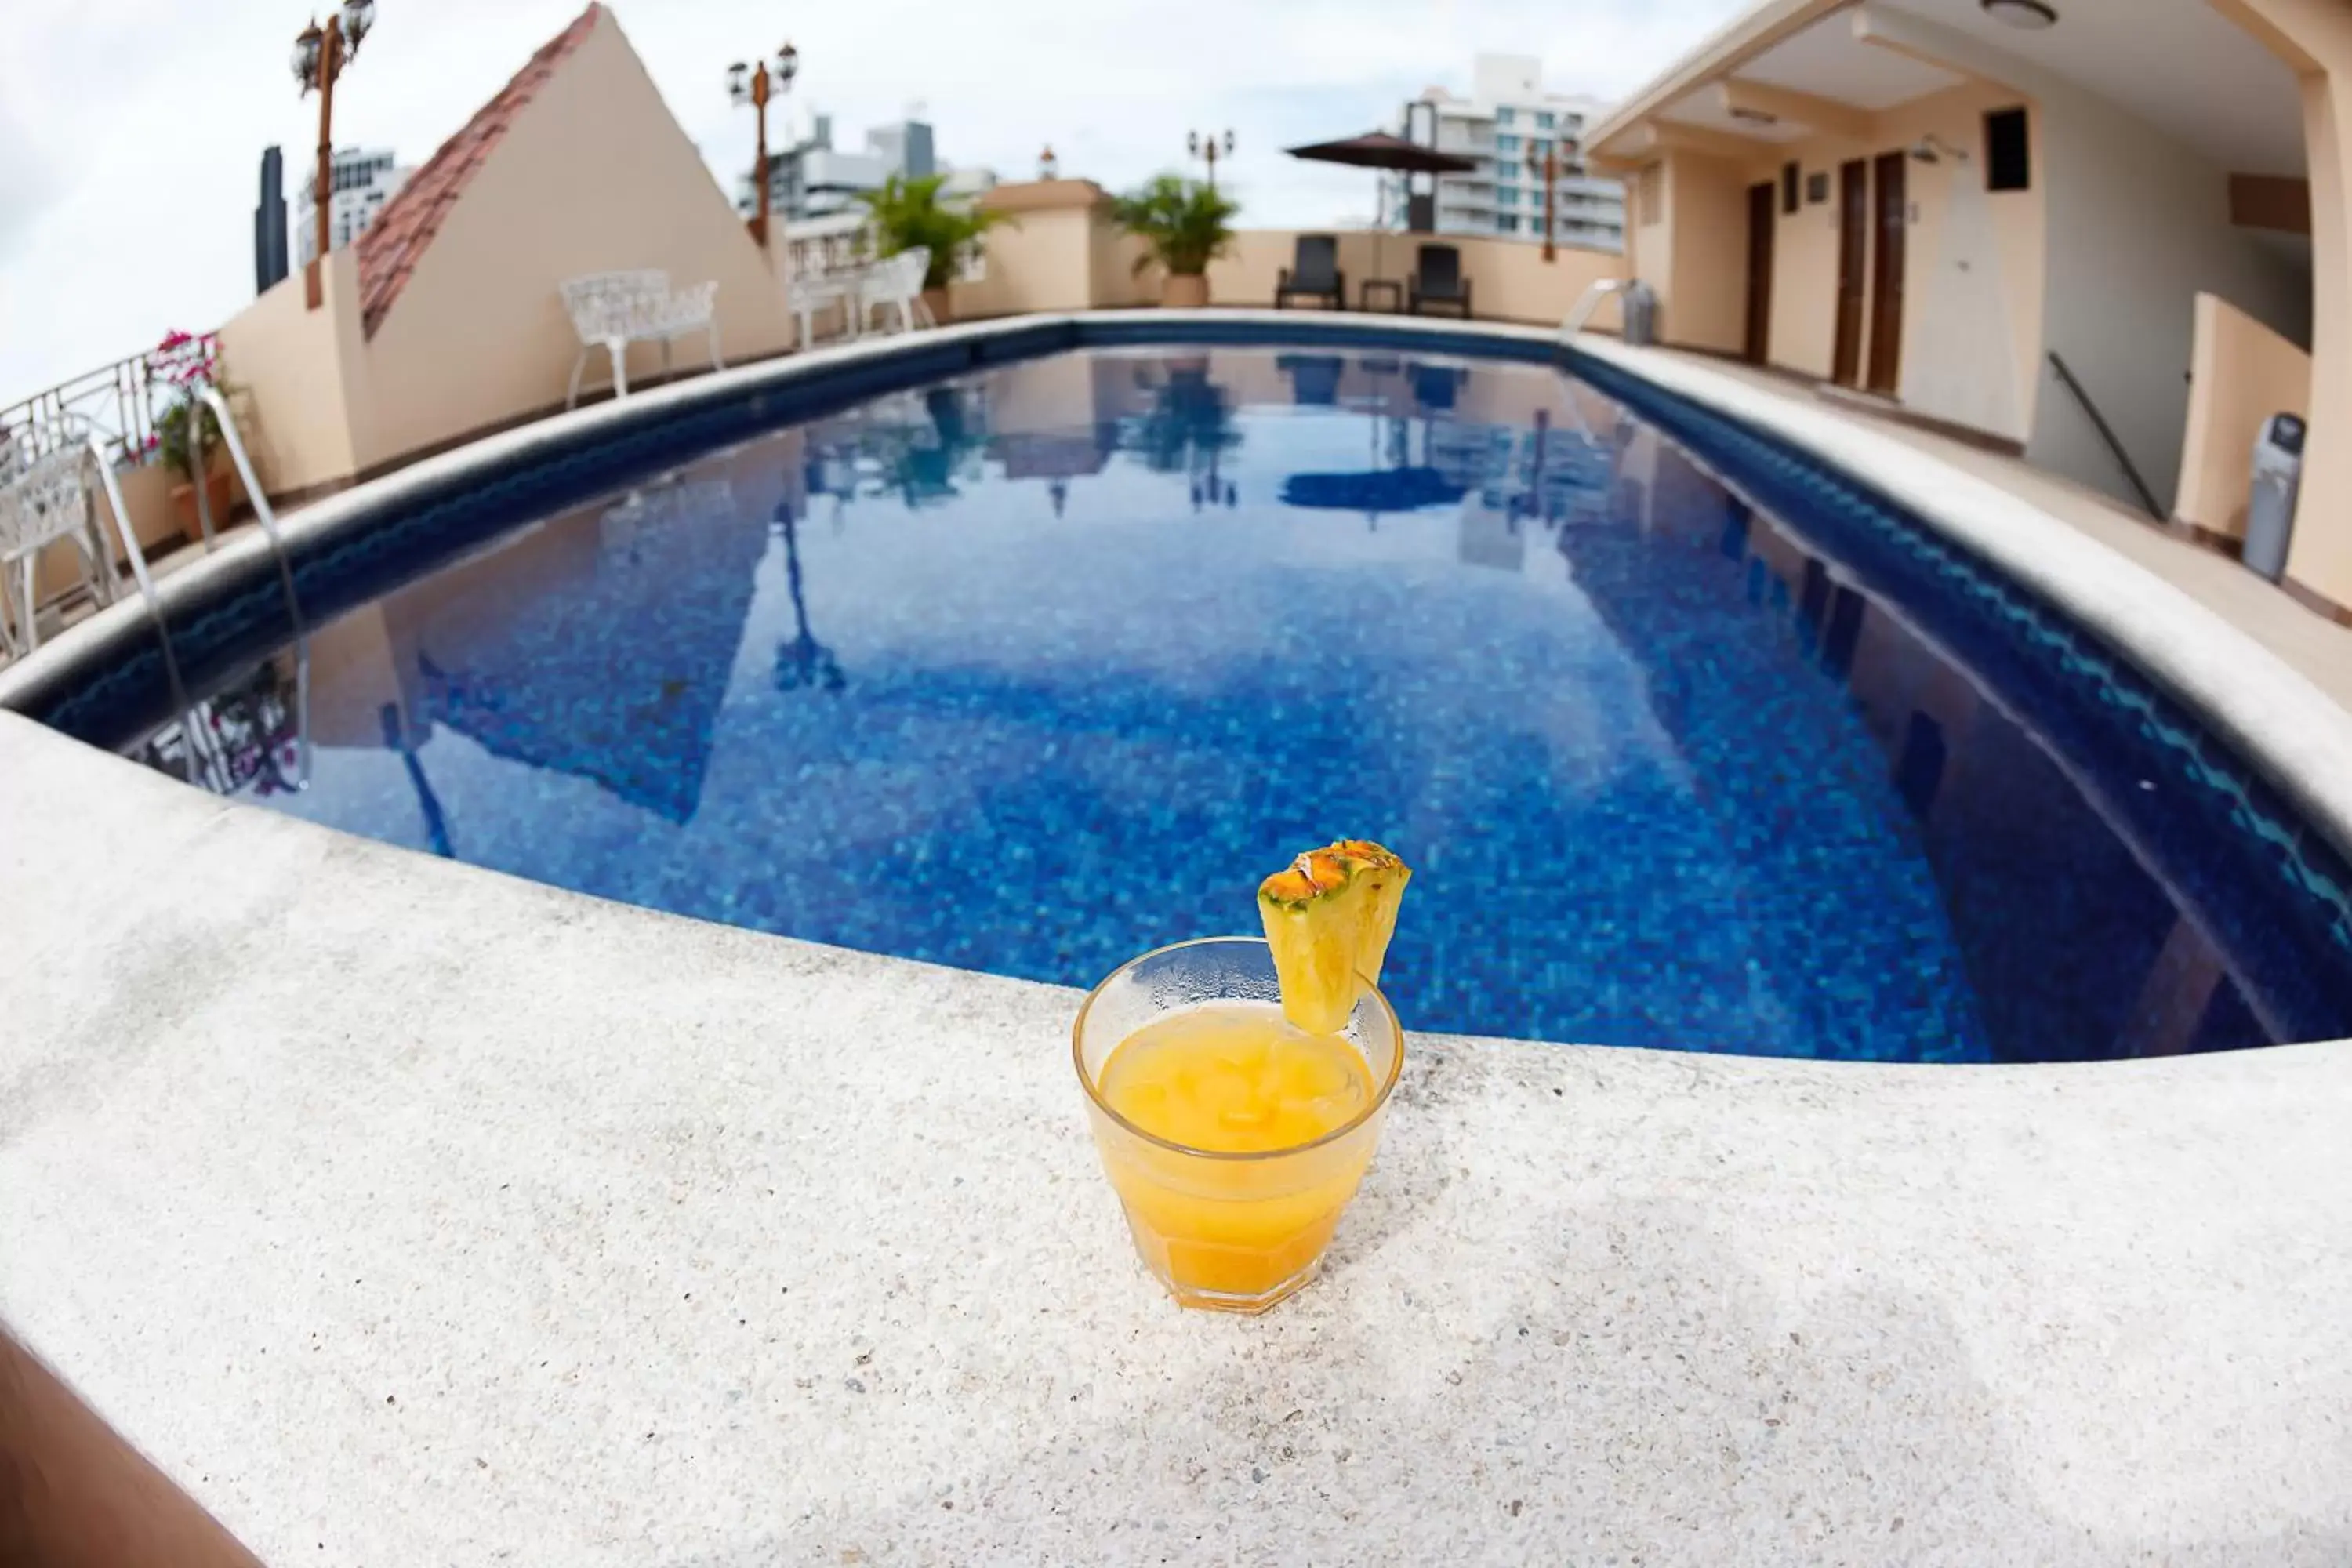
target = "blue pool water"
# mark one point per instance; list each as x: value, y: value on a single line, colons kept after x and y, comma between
x: 1031, y: 670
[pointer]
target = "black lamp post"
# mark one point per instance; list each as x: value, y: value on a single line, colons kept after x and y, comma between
x: 803, y: 664
x: 1198, y: 145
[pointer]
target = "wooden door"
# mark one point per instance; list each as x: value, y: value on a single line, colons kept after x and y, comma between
x: 1760, y: 219
x: 1892, y: 210
x: 1853, y: 269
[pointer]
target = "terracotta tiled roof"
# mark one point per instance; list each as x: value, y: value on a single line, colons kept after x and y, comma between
x: 391, y: 247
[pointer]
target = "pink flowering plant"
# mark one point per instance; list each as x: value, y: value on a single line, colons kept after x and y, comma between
x: 184, y: 363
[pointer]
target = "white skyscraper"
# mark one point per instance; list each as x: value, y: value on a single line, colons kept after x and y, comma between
x: 1508, y: 116
x: 364, y: 179
x: 810, y: 178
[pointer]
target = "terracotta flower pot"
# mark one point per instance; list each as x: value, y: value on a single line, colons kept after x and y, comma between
x: 220, y: 490
x: 1184, y: 291
x: 935, y: 300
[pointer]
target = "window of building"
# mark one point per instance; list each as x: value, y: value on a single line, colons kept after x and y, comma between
x: 2008, y: 161
x: 1507, y: 223
x: 1506, y: 143
x: 1505, y: 116
x: 1543, y: 119
x: 1508, y: 196
x: 1539, y: 145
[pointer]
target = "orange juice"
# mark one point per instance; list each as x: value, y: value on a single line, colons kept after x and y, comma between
x: 1244, y: 1210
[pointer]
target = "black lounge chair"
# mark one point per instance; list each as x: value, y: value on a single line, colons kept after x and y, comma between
x: 1437, y: 283
x: 1314, y: 274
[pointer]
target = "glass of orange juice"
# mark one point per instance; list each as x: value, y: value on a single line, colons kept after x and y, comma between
x: 1233, y: 1138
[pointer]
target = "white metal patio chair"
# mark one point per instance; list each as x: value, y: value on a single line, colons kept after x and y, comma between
x: 806, y: 296
x: 896, y: 283
x: 612, y: 310
x: 45, y: 499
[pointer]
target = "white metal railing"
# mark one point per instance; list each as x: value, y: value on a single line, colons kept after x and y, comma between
x: 113, y: 400
x: 1588, y: 302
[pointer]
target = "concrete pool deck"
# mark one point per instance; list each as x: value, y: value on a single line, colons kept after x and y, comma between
x: 404, y: 1212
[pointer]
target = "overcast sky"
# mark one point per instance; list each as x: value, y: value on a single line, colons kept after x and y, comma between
x: 130, y: 129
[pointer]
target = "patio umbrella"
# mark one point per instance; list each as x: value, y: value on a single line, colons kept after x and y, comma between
x: 1381, y: 149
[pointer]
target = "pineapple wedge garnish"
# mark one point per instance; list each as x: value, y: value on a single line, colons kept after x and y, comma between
x: 1328, y: 917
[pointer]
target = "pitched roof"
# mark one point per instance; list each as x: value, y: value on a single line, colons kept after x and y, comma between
x: 391, y: 247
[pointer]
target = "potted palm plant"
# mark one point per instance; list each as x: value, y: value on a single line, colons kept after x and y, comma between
x: 1184, y: 224
x: 910, y: 213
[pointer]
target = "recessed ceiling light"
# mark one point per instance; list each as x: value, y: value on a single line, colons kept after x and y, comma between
x: 2031, y: 15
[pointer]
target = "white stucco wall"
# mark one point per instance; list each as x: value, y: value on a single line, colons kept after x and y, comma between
x: 1960, y: 348
x: 2138, y: 225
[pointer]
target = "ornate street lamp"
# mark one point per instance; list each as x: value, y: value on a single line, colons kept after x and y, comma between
x: 752, y: 84
x: 1206, y: 146
x: 1545, y: 166
x: 320, y: 56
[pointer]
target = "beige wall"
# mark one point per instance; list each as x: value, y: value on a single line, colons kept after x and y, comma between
x: 293, y: 367
x: 1070, y: 255
x: 1701, y: 253
x: 1039, y: 258
x: 1118, y: 281
x: 1509, y: 280
x: 1058, y: 250
x: 2242, y: 374
x: 2322, y: 557
x: 593, y: 175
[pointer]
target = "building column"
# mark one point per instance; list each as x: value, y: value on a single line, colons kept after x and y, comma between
x: 2315, y: 38
x: 2321, y: 561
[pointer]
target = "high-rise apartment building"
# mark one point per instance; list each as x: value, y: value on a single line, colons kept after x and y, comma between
x: 1507, y: 123
x: 269, y: 223
x: 814, y: 179
x: 362, y: 180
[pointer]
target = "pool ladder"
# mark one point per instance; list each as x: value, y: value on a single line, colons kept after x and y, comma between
x: 192, y: 736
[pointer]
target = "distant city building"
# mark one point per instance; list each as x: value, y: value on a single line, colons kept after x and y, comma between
x: 815, y: 179
x: 269, y: 223
x: 1507, y: 116
x: 364, y: 179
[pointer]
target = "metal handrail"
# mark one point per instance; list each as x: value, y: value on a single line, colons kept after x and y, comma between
x: 1586, y: 303
x: 266, y: 516
x: 2107, y: 434
x: 137, y: 559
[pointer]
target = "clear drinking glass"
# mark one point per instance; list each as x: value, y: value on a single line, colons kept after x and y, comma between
x: 1228, y: 1232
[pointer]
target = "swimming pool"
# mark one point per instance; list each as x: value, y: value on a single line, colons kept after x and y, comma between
x: 1031, y: 669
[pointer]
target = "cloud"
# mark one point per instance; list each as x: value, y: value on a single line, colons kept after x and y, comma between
x: 131, y: 212
x: 30, y: 181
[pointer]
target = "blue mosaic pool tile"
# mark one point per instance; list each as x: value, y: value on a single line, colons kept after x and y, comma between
x: 1032, y: 698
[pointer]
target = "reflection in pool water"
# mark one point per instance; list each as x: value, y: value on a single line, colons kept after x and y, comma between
x: 1036, y: 670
